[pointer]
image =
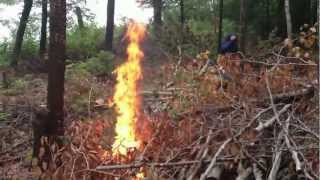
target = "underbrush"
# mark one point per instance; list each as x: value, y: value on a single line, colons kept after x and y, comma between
x: 4, y: 54
x: 84, y: 43
x: 102, y: 63
x: 84, y: 85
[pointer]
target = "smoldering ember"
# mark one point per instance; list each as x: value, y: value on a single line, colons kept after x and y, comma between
x: 212, y: 89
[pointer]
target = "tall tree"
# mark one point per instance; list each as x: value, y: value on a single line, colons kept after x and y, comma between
x: 313, y: 9
x: 78, y: 13
x: 20, y: 32
x: 243, y: 25
x: 157, y: 16
x: 182, y: 19
x: 182, y: 16
x: 281, y: 20
x: 288, y: 18
x: 267, y: 18
x: 220, y: 23
x: 43, y: 36
x: 110, y: 25
x: 57, y: 55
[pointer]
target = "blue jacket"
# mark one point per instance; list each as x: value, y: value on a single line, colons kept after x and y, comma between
x: 228, y: 46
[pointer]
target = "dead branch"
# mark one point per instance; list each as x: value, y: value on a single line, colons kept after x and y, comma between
x: 244, y: 173
x: 257, y: 172
x: 202, y: 155
x: 216, y: 172
x: 269, y: 122
x: 293, y: 95
x: 275, y: 166
x: 159, y: 165
x: 156, y: 93
x: 214, y: 159
x: 291, y: 149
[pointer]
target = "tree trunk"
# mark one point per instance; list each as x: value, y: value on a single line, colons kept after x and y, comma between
x: 281, y: 20
x: 182, y: 20
x: 57, y: 51
x: 110, y: 25
x: 220, y: 23
x: 78, y: 12
x: 313, y: 11
x: 242, y: 25
x: 182, y: 17
x: 157, y: 17
x: 215, y: 15
x: 43, y: 36
x: 288, y: 18
x: 20, y: 32
x: 268, y: 22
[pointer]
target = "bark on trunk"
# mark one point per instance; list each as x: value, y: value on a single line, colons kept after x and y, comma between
x: 20, y: 32
x: 281, y: 20
x: 157, y: 16
x: 268, y: 22
x: 57, y: 51
x: 78, y: 12
x: 43, y: 36
x: 313, y: 11
x: 110, y: 25
x: 242, y: 25
x: 220, y: 23
x: 182, y: 20
x: 182, y: 17
x: 288, y: 18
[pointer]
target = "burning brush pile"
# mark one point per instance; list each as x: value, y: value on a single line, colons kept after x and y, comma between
x: 270, y: 135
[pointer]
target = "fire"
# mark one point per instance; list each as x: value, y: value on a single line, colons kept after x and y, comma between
x: 126, y: 98
x: 140, y: 175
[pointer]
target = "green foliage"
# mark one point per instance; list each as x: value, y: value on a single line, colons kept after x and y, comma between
x: 16, y: 87
x: 198, y: 32
x: 81, y: 80
x: 30, y: 47
x: 8, y: 2
x: 82, y: 44
x: 101, y: 64
x: 4, y: 116
x: 4, y: 54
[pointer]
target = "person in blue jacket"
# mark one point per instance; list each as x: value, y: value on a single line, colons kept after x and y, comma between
x: 229, y: 45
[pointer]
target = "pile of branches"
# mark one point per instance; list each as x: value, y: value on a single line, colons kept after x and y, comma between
x: 270, y: 133
x: 262, y: 123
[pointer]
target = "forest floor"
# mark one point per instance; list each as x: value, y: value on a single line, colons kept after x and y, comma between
x: 234, y: 121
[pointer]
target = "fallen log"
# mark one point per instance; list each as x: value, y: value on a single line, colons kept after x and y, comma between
x: 263, y: 102
x: 160, y: 165
x: 137, y: 165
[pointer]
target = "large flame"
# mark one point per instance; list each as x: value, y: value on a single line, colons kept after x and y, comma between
x: 126, y: 98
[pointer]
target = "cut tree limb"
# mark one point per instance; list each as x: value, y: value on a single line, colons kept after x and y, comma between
x: 275, y: 166
x: 294, y: 153
x: 142, y: 164
x: 257, y: 172
x: 268, y: 123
